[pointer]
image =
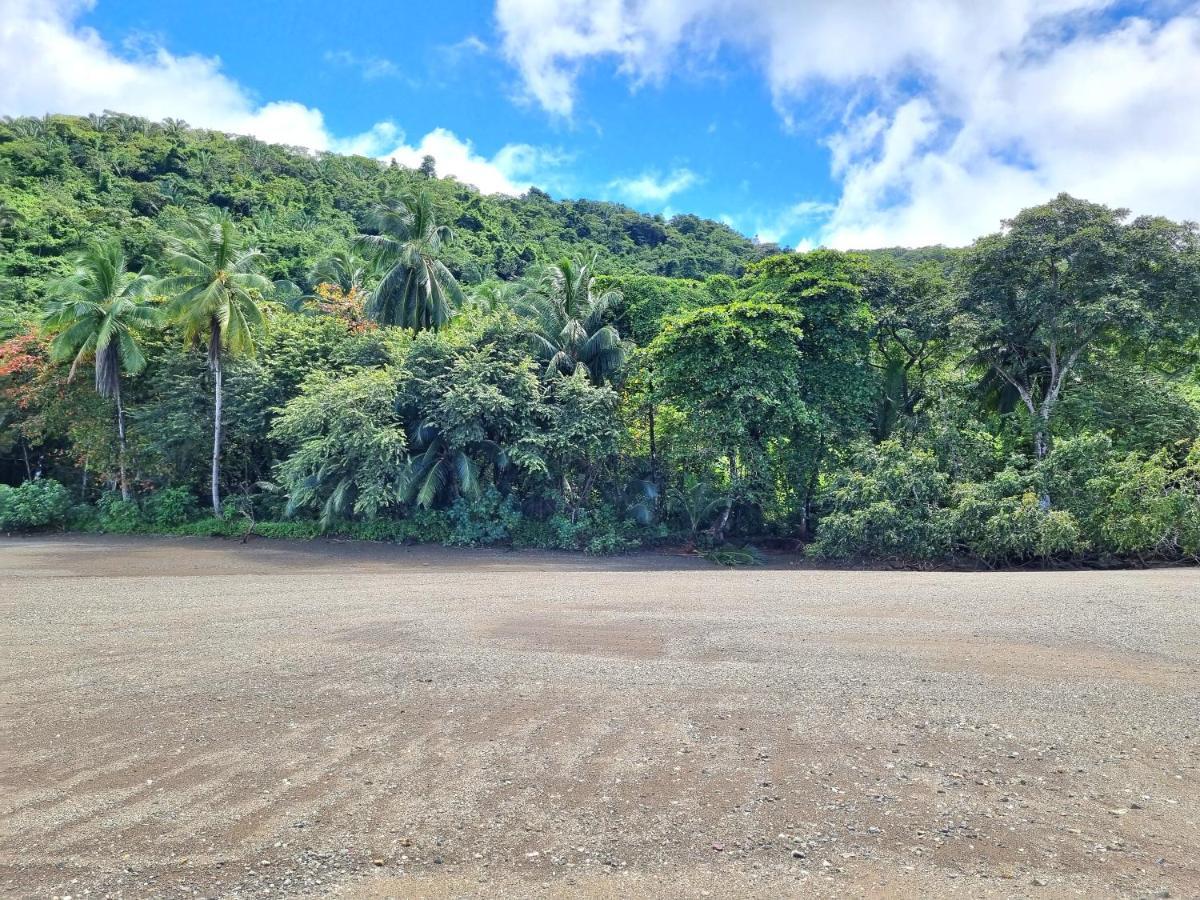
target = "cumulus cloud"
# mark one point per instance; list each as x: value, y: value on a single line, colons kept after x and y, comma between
x: 653, y: 188
x: 510, y: 171
x: 947, y: 115
x: 51, y: 64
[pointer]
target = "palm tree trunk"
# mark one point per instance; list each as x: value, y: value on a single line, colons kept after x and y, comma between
x: 216, y: 454
x: 121, y: 449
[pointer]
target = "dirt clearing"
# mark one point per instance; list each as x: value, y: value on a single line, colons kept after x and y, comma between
x: 202, y: 718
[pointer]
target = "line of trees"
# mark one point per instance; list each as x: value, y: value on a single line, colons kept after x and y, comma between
x: 1034, y: 396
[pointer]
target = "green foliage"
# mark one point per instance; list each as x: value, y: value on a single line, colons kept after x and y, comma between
x: 1005, y: 521
x: 348, y: 448
x: 886, y: 504
x: 486, y: 519
x: 33, y: 505
x: 1069, y: 276
x: 169, y: 507
x: 568, y: 326
x: 573, y: 374
x: 118, y: 515
x: 415, y: 289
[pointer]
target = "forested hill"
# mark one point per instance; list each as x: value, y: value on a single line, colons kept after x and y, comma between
x: 64, y: 178
x: 194, y: 321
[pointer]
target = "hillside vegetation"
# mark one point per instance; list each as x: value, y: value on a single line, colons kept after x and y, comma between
x: 202, y: 333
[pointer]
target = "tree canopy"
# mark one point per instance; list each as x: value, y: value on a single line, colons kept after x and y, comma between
x: 390, y: 354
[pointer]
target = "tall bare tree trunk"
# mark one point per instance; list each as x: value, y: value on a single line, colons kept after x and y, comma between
x: 121, y: 449
x: 216, y: 454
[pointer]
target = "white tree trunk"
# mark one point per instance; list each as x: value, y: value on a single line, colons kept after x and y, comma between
x: 121, y: 449
x: 216, y: 454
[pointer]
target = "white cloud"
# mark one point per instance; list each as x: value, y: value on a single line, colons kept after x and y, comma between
x: 953, y: 113
x: 50, y: 64
x: 652, y: 188
x: 510, y: 171
x: 774, y: 227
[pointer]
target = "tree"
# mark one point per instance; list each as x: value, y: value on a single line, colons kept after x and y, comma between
x: 912, y: 309
x: 215, y: 297
x: 568, y: 328
x: 734, y: 370
x: 1067, y: 276
x: 826, y: 290
x: 416, y: 289
x: 96, y: 315
x: 349, y: 451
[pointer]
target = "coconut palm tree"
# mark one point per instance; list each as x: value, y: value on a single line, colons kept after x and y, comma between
x: 568, y: 329
x: 416, y: 290
x: 347, y: 270
x: 96, y: 314
x: 215, y: 295
x: 491, y: 296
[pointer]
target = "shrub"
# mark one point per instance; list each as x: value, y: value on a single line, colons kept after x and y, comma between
x: 42, y: 503
x: 1003, y: 521
x: 886, y: 506
x: 427, y: 526
x: 117, y: 515
x: 484, y: 520
x: 169, y: 507
x: 598, y: 531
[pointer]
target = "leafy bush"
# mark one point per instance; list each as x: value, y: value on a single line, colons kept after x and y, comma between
x: 169, y: 507
x: 600, y: 532
x: 1003, y: 521
x: 426, y: 526
x: 83, y: 517
x: 485, y: 520
x: 41, y: 503
x: 117, y: 515
x: 887, y: 505
x: 349, y: 447
x: 1148, y: 506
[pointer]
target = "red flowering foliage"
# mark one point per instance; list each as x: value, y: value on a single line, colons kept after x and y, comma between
x: 23, y: 359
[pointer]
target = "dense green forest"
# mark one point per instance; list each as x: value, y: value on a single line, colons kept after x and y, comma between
x: 207, y: 334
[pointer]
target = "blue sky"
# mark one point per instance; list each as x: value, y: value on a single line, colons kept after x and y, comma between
x: 858, y: 124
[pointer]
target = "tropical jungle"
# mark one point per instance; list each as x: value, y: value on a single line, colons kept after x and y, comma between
x: 203, y: 333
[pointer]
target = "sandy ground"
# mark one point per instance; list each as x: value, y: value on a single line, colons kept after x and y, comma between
x: 202, y: 718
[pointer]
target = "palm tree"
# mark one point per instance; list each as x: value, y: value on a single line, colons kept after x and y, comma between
x: 439, y: 471
x: 491, y: 296
x: 416, y: 289
x: 214, y: 297
x: 347, y: 270
x: 568, y: 331
x: 96, y: 313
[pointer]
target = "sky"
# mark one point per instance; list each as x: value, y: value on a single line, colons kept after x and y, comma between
x: 853, y: 124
